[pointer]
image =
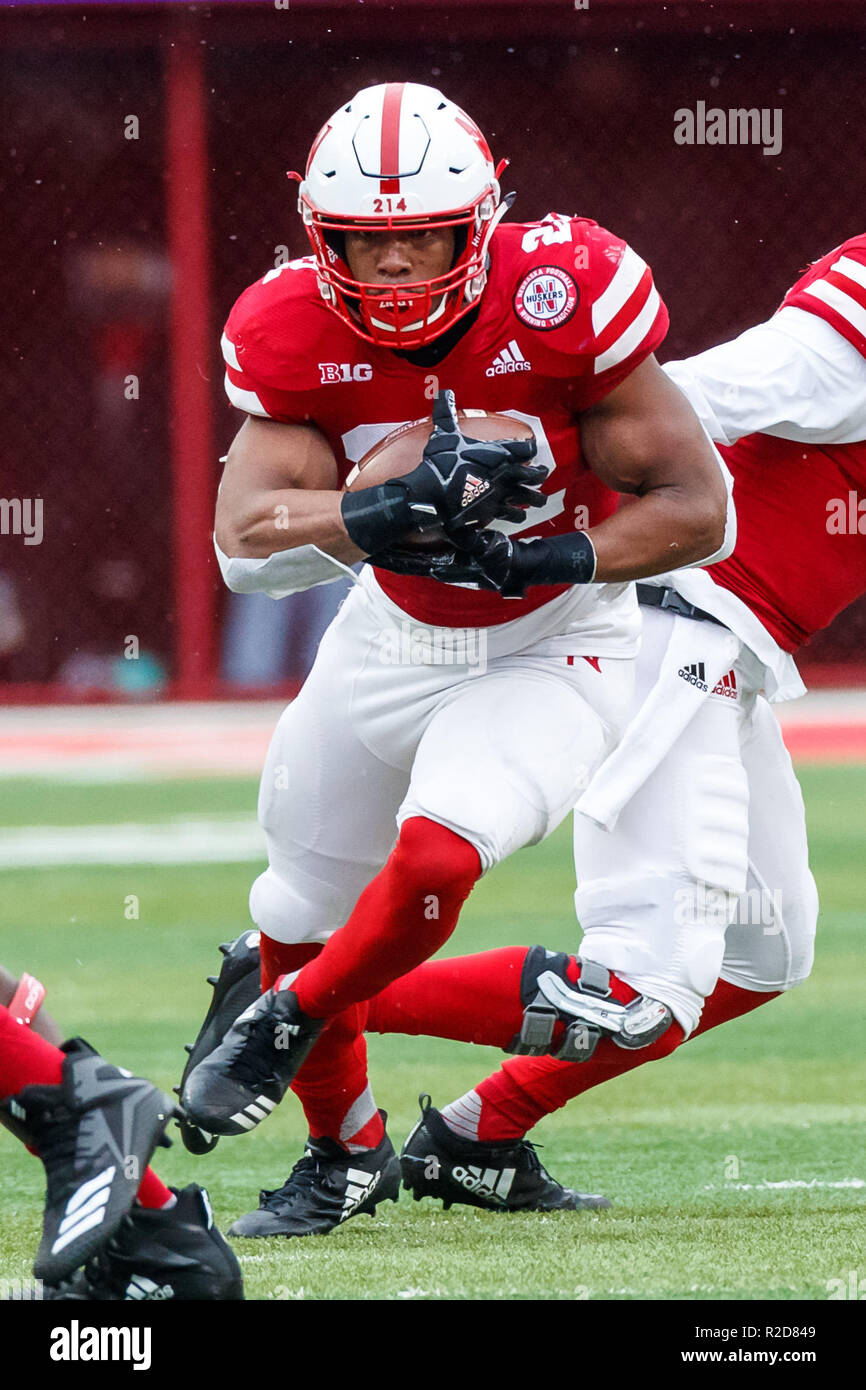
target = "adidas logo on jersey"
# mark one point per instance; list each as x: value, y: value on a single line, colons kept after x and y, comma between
x: 510, y: 359
x: 487, y: 1182
x: 695, y: 675
x: 85, y: 1209
x: 727, y: 686
x: 359, y: 1186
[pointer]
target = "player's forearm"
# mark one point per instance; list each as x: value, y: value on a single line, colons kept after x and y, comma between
x: 664, y: 529
x: 284, y: 520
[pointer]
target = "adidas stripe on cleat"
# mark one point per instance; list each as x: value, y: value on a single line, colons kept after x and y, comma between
x: 95, y: 1133
x: 257, y: 1110
x: 498, y: 1176
x: 234, y: 989
x: 325, y: 1188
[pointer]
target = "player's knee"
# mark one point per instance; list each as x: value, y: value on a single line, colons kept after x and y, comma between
x: 656, y: 926
x: 289, y: 914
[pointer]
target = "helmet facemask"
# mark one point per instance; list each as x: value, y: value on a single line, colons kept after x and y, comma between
x: 409, y: 314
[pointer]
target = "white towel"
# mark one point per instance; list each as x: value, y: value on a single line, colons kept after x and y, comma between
x: 668, y: 708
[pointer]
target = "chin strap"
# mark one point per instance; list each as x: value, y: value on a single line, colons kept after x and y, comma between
x: 27, y: 999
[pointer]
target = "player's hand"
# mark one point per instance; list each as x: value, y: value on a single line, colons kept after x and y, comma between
x: 447, y: 566
x: 498, y: 558
x: 466, y: 483
x: 514, y: 566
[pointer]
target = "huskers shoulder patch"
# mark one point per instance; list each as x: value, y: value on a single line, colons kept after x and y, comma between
x: 546, y: 297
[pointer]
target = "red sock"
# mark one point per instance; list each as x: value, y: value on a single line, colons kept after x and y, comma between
x: 469, y: 998
x: 25, y: 1058
x: 152, y: 1192
x: 403, y: 916
x: 332, y: 1084
x: 279, y: 958
x: 525, y: 1089
x: 28, y: 1060
x: 473, y: 999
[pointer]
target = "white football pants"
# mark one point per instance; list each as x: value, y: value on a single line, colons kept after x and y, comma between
x: 706, y: 872
x: 491, y: 733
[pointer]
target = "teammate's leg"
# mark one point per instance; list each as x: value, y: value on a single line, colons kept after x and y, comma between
x: 769, y: 946
x: 768, y: 950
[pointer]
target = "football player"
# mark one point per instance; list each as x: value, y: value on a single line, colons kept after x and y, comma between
x: 94, y: 1126
x: 690, y: 845
x: 787, y: 403
x: 390, y: 788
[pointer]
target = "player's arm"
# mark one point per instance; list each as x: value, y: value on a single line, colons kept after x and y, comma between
x: 279, y: 491
x: 24, y: 997
x: 280, y: 516
x: 795, y: 377
x: 643, y: 438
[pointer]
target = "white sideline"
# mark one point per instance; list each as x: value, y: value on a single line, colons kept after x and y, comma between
x: 111, y: 743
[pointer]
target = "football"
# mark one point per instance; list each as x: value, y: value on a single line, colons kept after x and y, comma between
x: 400, y: 451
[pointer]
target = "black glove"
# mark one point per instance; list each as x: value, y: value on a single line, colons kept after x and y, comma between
x: 460, y: 482
x: 448, y: 566
x: 514, y: 566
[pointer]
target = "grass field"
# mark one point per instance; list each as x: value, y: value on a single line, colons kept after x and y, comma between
x: 736, y: 1167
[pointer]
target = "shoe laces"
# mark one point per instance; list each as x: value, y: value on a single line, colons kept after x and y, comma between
x: 527, y: 1150
x: 255, y: 1058
x: 301, y: 1179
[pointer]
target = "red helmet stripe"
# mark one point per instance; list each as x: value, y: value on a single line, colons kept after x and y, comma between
x: 390, y: 147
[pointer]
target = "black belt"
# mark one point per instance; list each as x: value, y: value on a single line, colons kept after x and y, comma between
x: 656, y: 596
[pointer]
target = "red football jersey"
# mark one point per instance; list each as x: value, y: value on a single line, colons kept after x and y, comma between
x: 568, y: 312
x: 800, y: 556
x: 834, y: 288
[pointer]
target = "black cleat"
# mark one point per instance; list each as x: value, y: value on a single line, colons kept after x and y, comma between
x: 506, y: 1176
x: 245, y: 1078
x: 234, y: 989
x: 324, y: 1189
x: 95, y: 1133
x: 176, y: 1253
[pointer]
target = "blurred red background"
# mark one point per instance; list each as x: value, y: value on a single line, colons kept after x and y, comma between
x: 144, y: 154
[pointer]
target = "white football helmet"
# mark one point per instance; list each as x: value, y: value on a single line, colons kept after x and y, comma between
x: 400, y: 155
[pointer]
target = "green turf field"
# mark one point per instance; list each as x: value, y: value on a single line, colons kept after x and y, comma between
x: 688, y: 1148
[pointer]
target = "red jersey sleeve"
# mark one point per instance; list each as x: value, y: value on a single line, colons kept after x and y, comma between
x: 618, y: 318
x: 264, y: 375
x: 628, y: 319
x: 834, y: 288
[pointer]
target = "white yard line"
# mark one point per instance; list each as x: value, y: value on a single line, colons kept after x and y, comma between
x: 183, y: 840
x: 785, y: 1184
